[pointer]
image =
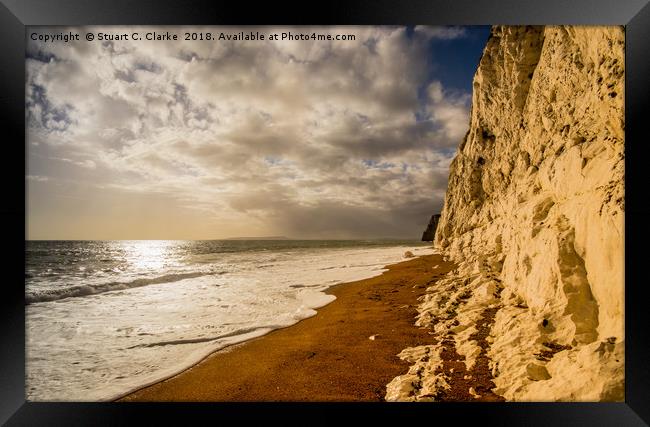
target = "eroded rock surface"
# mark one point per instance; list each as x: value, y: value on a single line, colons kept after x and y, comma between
x: 534, y: 219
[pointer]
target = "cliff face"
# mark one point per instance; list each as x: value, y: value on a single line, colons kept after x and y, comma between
x: 430, y: 232
x: 534, y: 218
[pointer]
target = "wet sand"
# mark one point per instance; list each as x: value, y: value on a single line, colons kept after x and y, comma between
x: 328, y: 357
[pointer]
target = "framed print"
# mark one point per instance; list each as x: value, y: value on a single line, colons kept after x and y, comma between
x: 264, y: 210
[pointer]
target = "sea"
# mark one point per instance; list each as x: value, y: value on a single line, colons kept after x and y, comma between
x: 105, y: 318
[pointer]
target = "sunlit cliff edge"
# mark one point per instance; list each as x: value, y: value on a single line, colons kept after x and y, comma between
x: 534, y: 220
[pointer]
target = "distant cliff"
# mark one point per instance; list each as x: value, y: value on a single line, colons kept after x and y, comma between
x: 533, y: 217
x: 430, y: 232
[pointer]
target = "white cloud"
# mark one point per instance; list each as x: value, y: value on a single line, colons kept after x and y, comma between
x: 449, y: 110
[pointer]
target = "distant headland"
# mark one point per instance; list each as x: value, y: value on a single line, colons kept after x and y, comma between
x: 260, y: 238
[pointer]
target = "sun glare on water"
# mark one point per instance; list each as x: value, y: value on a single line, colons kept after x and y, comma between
x: 148, y: 254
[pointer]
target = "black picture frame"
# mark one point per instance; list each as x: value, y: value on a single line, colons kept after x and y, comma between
x: 15, y: 15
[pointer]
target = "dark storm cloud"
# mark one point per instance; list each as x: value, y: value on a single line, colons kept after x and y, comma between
x: 41, y: 113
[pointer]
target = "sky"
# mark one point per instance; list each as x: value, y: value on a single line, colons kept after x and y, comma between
x: 311, y: 139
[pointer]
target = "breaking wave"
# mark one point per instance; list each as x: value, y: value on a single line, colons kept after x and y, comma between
x: 44, y: 295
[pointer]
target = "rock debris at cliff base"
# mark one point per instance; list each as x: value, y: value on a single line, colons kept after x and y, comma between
x: 455, y: 367
x: 534, y: 220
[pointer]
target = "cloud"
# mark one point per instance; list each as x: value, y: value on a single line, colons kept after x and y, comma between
x: 305, y: 138
x: 449, y: 111
x: 443, y: 33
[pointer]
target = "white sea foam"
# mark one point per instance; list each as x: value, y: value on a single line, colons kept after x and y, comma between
x: 101, y: 345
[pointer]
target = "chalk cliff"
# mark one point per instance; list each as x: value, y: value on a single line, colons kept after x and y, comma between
x: 534, y: 220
